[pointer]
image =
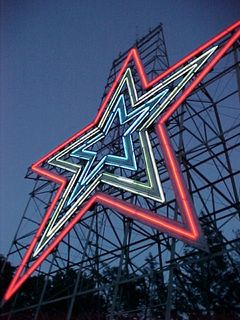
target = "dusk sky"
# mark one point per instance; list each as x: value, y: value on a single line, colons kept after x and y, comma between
x: 55, y: 60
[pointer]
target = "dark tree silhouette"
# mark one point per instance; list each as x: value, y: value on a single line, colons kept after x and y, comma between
x: 209, y: 286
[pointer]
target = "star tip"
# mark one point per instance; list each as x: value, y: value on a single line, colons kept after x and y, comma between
x: 5, y: 298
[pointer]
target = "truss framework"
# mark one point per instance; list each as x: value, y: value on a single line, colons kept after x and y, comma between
x: 205, y: 135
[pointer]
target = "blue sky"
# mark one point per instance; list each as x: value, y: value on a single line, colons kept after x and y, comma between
x: 55, y: 59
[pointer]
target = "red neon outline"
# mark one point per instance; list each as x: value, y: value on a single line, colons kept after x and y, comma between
x: 181, y: 192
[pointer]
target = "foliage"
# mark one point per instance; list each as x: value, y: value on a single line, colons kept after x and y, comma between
x: 205, y: 286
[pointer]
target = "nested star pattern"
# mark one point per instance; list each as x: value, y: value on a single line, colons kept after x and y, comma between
x: 145, y: 111
x: 76, y: 195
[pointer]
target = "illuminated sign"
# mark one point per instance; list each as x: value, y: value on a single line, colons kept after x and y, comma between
x: 87, y: 167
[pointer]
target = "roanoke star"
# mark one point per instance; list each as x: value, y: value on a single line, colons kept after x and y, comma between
x: 85, y: 168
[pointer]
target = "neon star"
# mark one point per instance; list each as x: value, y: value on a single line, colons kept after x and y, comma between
x: 128, y: 161
x: 145, y: 111
x: 77, y: 195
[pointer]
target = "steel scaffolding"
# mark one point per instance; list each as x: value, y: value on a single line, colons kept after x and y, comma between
x: 111, y: 255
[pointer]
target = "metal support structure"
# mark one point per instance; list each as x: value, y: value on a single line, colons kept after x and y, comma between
x: 236, y: 60
x: 173, y: 244
x: 119, y: 271
x: 113, y: 258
